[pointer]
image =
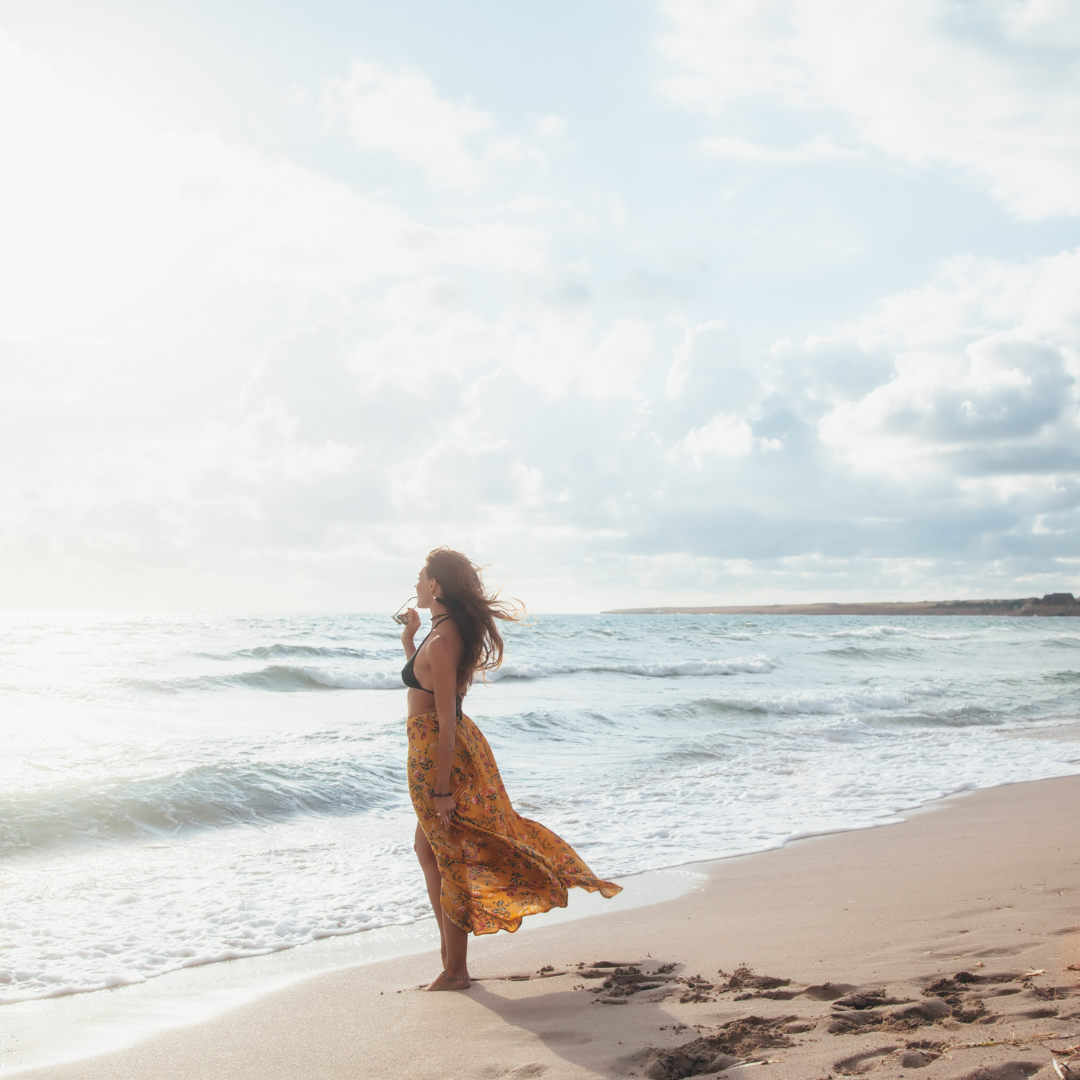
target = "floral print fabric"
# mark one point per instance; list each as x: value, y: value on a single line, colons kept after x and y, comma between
x: 496, y: 866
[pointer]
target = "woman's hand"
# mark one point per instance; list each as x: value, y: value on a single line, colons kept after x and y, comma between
x: 444, y: 807
x: 411, y: 624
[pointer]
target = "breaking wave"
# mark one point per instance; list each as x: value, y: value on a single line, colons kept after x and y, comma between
x: 296, y: 677
x: 279, y: 677
x: 202, y: 797
x: 743, y: 665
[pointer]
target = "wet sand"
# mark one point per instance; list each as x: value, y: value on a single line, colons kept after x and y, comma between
x: 944, y: 947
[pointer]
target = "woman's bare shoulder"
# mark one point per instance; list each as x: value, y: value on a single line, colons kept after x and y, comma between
x: 447, y: 637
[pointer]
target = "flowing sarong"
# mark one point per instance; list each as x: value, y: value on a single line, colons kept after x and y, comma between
x: 496, y: 866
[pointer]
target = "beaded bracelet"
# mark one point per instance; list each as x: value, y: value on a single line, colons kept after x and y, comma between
x: 441, y: 794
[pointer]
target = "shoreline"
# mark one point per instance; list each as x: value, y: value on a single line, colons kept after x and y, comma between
x: 37, y: 1033
x: 1051, y: 605
x: 914, y: 881
x: 102, y: 1021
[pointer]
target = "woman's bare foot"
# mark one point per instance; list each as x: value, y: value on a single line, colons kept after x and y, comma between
x: 450, y: 982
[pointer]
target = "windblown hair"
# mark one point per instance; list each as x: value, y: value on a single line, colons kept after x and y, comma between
x: 461, y: 592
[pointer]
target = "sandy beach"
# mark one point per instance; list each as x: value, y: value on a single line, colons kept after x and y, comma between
x: 947, y: 946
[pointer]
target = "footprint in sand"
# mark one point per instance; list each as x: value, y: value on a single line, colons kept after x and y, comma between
x: 828, y: 991
x: 860, y: 1063
x: 1009, y: 1070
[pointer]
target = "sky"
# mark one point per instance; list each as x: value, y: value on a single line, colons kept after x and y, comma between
x: 681, y: 302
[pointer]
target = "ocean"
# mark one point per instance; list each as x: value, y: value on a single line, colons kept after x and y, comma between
x: 177, y: 790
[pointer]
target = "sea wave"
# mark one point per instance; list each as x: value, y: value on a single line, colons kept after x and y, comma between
x: 302, y: 652
x: 297, y: 677
x: 201, y: 797
x: 852, y: 632
x: 278, y: 677
x: 842, y: 701
x: 1062, y: 676
x: 879, y: 632
x: 288, y: 677
x: 742, y: 665
x: 1064, y: 643
x: 865, y: 652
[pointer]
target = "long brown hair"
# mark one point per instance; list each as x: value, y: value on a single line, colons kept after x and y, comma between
x: 461, y: 592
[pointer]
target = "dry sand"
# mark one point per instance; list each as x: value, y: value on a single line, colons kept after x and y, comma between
x: 832, y: 951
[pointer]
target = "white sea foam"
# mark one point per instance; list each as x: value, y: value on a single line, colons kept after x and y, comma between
x: 344, y: 680
x: 742, y: 665
x: 870, y: 632
x: 212, y: 899
x: 835, y: 702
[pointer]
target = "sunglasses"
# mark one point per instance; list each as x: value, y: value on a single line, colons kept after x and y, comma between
x: 401, y: 616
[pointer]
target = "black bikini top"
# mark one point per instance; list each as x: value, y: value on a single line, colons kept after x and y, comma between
x: 408, y: 676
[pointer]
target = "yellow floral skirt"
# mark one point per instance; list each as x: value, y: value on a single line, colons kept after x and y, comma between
x: 496, y: 866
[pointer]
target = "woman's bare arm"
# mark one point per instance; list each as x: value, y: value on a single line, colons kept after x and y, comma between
x: 443, y: 653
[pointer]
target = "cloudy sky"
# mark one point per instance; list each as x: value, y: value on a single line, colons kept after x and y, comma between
x: 695, y: 301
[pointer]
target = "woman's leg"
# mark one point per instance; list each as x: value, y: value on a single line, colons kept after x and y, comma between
x: 434, y: 882
x: 455, y: 941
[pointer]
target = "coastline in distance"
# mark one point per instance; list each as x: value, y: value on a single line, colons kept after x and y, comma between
x: 1050, y: 604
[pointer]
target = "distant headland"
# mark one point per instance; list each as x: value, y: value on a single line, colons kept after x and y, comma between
x: 1050, y: 604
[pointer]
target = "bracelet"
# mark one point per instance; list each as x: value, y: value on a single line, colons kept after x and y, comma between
x: 446, y: 749
x: 442, y: 794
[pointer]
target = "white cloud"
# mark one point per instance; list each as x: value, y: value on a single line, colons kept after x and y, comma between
x: 91, y: 203
x: 289, y: 225
x: 746, y: 150
x: 551, y: 126
x: 461, y: 482
x: 723, y: 436
x: 398, y: 112
x: 986, y: 363
x: 260, y: 451
x: 713, y: 340
x: 991, y: 87
x: 401, y: 114
x: 564, y: 354
x: 361, y: 382
x: 346, y: 443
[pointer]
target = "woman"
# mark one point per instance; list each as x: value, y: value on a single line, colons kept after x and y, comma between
x: 486, y: 866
